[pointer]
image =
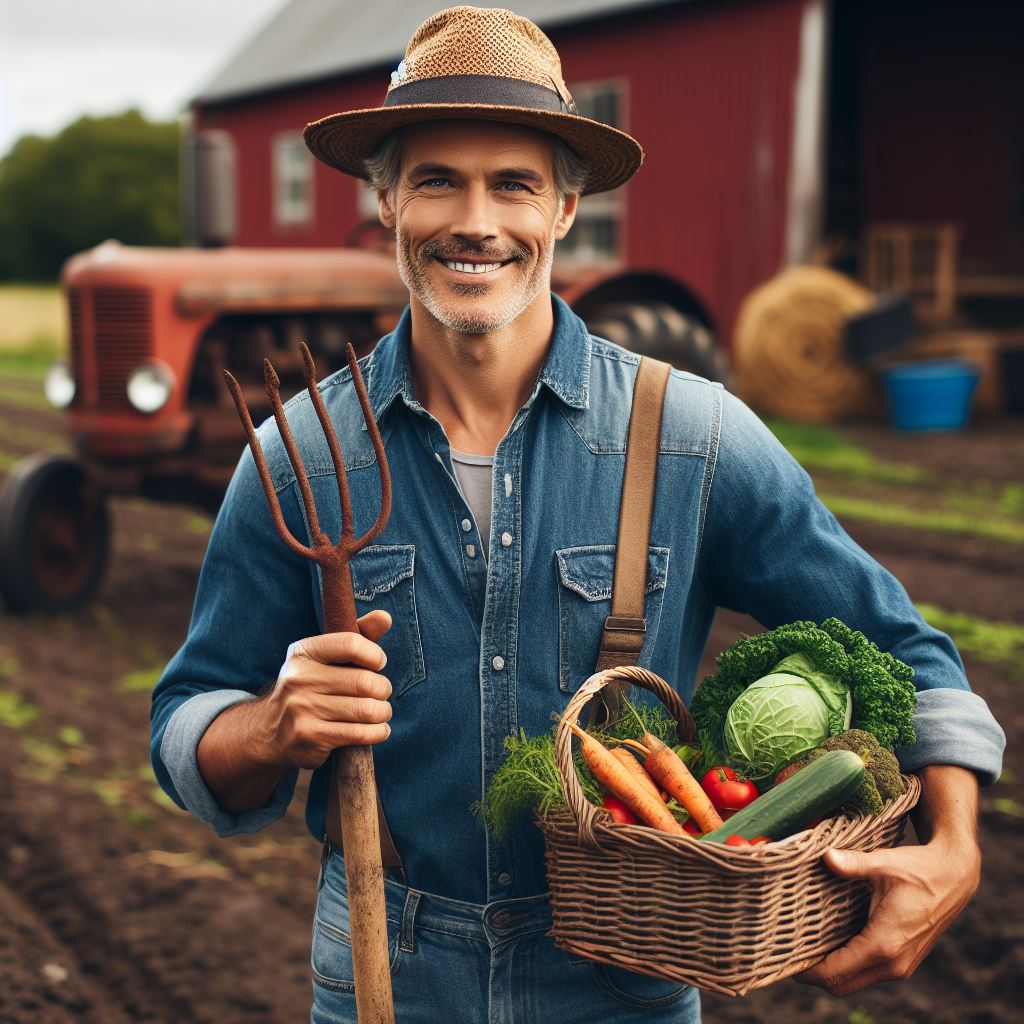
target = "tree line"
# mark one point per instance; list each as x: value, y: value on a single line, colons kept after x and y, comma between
x: 99, y: 178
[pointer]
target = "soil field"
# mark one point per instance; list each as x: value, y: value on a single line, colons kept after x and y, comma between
x: 115, y: 907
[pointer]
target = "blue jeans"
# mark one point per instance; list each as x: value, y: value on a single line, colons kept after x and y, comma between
x: 468, y: 963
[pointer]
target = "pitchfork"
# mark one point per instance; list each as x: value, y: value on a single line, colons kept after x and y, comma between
x: 353, y: 765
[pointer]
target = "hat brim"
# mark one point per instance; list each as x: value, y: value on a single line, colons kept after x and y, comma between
x: 344, y: 141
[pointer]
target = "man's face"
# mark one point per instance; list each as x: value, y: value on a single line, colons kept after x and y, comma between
x: 476, y: 217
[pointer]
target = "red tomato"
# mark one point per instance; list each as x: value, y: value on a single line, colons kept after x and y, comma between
x: 760, y: 840
x: 737, y: 841
x: 692, y: 829
x: 619, y: 811
x: 727, y: 791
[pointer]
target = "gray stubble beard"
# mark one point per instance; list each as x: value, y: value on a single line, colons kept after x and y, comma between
x: 420, y: 285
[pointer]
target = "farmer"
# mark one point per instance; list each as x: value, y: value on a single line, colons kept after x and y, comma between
x: 504, y: 423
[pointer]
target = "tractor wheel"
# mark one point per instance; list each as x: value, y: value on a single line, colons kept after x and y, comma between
x: 659, y: 330
x: 54, y: 533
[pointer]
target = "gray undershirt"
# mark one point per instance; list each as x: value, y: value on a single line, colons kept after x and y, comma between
x: 474, y: 475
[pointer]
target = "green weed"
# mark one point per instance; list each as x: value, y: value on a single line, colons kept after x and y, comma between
x: 110, y: 629
x: 161, y: 799
x: 142, y: 680
x: 71, y: 736
x: 1004, y: 805
x: 939, y: 520
x: 16, y: 713
x: 819, y: 448
x: 46, y: 761
x: 196, y: 523
x: 996, y: 643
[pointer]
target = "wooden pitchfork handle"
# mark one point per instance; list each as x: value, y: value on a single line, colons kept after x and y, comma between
x: 364, y: 873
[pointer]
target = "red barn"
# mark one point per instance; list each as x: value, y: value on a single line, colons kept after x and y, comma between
x: 770, y: 126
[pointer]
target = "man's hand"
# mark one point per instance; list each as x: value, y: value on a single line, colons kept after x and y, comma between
x: 329, y: 693
x: 917, y: 890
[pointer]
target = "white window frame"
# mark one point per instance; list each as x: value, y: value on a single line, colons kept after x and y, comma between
x: 604, y: 205
x: 292, y: 165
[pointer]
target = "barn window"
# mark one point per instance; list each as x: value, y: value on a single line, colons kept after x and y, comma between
x: 596, y: 236
x: 293, y: 181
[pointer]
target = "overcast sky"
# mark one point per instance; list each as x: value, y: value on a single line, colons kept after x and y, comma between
x: 63, y: 58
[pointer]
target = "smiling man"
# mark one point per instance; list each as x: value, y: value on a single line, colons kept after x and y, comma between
x: 484, y: 601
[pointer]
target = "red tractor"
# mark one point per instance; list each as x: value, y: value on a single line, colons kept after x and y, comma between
x: 148, y: 413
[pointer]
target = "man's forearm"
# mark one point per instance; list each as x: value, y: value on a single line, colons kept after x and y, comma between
x: 234, y: 761
x: 947, y: 812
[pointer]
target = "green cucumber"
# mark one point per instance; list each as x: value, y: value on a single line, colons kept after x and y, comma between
x: 815, y: 791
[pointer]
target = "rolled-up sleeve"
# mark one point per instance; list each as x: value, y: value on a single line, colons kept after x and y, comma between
x: 770, y: 549
x: 254, y: 598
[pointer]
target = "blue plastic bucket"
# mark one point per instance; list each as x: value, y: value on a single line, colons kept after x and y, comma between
x: 933, y: 395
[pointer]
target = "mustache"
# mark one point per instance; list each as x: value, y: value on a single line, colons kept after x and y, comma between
x: 455, y: 250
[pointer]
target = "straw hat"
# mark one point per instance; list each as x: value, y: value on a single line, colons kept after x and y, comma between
x: 483, y: 64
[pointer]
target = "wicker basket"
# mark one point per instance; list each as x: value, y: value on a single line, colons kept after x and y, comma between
x: 704, y: 914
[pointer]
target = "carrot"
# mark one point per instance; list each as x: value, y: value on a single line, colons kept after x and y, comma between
x: 667, y: 769
x: 622, y: 755
x: 621, y: 782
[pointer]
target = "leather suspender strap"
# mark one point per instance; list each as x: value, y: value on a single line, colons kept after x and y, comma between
x: 625, y: 628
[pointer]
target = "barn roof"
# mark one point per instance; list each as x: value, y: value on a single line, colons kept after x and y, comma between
x: 311, y: 39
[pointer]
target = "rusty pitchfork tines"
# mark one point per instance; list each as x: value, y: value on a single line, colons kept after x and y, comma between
x: 353, y: 765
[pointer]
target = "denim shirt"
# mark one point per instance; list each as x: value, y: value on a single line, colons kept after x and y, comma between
x: 481, y: 648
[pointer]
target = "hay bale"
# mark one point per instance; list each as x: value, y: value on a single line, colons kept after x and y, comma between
x: 788, y: 350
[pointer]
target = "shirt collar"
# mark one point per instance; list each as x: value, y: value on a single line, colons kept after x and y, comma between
x: 566, y: 371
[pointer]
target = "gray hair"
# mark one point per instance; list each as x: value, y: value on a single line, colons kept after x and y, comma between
x: 385, y: 163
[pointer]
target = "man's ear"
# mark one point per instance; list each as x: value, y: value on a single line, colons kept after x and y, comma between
x: 567, y: 215
x: 385, y: 208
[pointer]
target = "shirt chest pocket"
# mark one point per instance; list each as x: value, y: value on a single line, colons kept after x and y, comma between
x: 383, y: 576
x: 585, y: 600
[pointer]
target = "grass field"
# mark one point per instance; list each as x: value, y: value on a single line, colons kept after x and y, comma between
x: 32, y: 327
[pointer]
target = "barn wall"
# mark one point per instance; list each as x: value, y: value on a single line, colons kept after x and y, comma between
x: 942, y: 131
x: 710, y: 97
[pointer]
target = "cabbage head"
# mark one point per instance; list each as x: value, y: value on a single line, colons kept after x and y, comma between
x: 782, y: 716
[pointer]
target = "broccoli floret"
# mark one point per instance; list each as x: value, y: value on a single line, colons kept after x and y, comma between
x: 882, y: 780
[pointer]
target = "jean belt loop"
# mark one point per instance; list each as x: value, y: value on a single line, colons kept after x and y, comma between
x: 407, y: 942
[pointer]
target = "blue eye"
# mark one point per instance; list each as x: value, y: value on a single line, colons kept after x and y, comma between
x: 514, y: 186
x: 436, y: 181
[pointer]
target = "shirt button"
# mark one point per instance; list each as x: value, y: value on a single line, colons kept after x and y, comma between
x: 506, y: 539
x: 504, y: 878
x: 471, y: 550
x: 466, y: 525
x: 498, y: 663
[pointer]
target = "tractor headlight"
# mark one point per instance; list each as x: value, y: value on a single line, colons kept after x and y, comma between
x: 59, y: 385
x: 149, y: 386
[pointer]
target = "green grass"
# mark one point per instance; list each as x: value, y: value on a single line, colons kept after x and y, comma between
x: 28, y: 311
x: 141, y: 681
x: 25, y: 398
x: 939, y: 520
x: 822, y: 449
x: 14, y: 712
x: 996, y: 643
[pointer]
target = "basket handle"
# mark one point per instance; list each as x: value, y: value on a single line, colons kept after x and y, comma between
x: 583, y: 812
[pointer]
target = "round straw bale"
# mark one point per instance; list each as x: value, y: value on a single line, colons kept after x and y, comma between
x: 788, y: 351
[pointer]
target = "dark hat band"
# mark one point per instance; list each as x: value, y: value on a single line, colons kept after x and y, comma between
x: 493, y: 90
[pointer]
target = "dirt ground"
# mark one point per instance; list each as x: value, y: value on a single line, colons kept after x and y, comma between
x: 115, y: 907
